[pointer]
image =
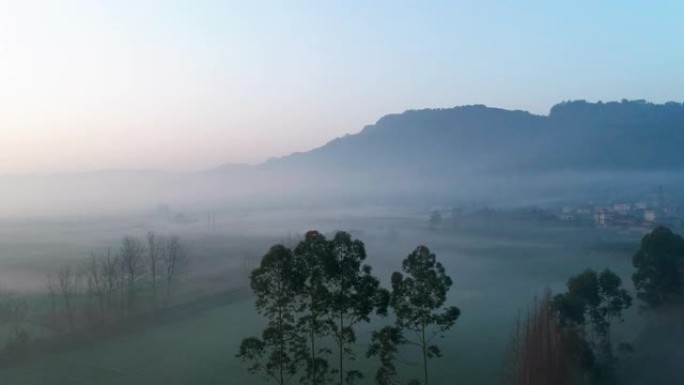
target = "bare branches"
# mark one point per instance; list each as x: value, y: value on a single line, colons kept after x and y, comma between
x: 131, y: 258
x: 110, y: 286
x: 68, y: 285
x: 105, y: 280
x: 540, y: 352
x: 174, y: 263
x: 155, y: 252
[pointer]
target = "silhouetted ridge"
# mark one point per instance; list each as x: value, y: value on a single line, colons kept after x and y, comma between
x: 576, y: 135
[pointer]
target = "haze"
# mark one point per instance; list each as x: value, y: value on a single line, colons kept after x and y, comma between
x: 187, y: 85
x: 337, y: 192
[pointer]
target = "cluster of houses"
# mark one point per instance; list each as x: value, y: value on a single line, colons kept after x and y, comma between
x: 635, y: 216
x: 621, y: 213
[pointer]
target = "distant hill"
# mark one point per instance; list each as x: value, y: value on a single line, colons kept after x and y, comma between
x: 575, y: 136
x: 580, y: 150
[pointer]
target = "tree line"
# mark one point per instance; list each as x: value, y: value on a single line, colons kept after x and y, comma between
x: 314, y: 296
x: 566, y: 338
x: 139, y: 277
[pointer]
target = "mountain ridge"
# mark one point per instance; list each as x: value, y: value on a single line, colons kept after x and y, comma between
x: 429, y: 155
x: 575, y: 135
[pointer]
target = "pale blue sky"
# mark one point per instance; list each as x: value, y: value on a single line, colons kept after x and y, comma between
x: 186, y: 85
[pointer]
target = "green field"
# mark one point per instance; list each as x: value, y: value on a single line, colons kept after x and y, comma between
x: 199, y: 350
x: 497, y: 268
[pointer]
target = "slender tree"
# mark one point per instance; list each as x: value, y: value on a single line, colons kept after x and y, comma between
x: 114, y: 283
x: 67, y: 288
x: 313, y: 297
x: 586, y: 312
x: 155, y: 249
x: 385, y: 345
x: 132, y: 266
x: 275, y: 283
x: 96, y: 287
x: 175, y: 262
x: 418, y: 302
x: 540, y: 352
x: 353, y: 294
x: 105, y: 281
x: 53, y: 296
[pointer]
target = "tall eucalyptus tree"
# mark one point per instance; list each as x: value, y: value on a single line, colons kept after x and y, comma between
x: 418, y: 302
x: 353, y: 294
x: 275, y: 283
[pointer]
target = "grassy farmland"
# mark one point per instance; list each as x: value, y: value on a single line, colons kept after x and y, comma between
x: 497, y: 268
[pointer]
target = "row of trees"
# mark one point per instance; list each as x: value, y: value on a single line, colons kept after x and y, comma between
x: 314, y: 297
x: 139, y: 277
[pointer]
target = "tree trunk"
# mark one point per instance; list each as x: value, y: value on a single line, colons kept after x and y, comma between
x: 313, y: 352
x: 282, y: 345
x: 425, y: 368
x: 341, y: 349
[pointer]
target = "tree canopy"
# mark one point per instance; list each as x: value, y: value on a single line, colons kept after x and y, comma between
x: 585, y: 312
x: 418, y: 299
x: 659, y: 264
x: 311, y: 295
x: 275, y: 283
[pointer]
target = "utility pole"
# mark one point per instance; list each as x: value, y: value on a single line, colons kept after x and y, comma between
x: 661, y: 197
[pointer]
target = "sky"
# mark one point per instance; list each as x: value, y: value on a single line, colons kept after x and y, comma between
x: 190, y: 85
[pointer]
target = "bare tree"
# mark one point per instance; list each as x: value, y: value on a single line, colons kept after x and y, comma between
x: 540, y: 353
x: 133, y: 268
x: 64, y: 289
x: 53, y: 295
x: 114, y: 284
x: 155, y: 251
x: 96, y: 287
x: 175, y: 262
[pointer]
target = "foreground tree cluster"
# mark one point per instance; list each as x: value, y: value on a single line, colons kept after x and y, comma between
x: 566, y: 338
x: 316, y: 295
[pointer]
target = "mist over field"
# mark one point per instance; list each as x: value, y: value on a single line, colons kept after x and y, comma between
x: 444, y: 156
x: 481, y: 255
x: 329, y: 193
x: 505, y: 234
